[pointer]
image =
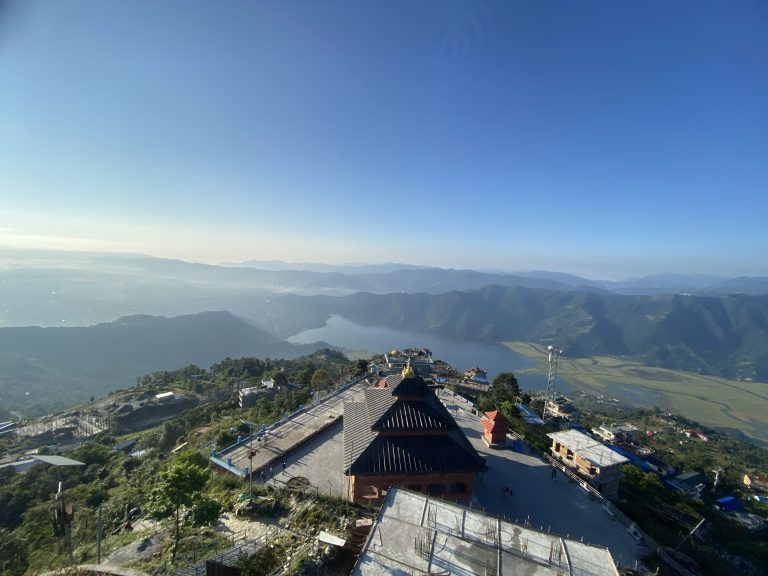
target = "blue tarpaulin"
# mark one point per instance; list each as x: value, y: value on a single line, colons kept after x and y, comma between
x: 729, y: 504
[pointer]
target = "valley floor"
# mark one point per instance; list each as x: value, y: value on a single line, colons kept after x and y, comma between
x: 714, y: 402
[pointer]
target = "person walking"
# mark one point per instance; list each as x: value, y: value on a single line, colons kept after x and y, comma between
x: 283, y: 467
x: 554, y: 472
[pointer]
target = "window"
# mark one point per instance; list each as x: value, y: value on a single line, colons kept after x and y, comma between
x: 367, y: 491
x: 435, y: 489
x: 457, y: 488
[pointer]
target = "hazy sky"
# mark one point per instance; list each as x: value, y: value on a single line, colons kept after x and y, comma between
x: 603, y: 138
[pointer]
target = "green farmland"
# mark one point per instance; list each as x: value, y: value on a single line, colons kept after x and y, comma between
x: 714, y: 402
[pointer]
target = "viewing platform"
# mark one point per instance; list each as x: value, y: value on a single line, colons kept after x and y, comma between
x: 272, y: 443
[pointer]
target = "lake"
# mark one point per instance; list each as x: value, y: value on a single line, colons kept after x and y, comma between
x: 493, y: 358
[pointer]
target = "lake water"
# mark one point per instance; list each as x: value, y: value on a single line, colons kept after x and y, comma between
x: 494, y: 358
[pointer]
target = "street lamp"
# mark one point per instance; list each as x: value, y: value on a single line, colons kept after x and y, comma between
x: 64, y: 512
x: 251, y: 426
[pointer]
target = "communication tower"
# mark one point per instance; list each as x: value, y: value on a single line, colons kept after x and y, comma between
x: 550, y: 406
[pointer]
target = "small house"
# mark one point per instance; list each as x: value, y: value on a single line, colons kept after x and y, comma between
x: 756, y: 481
x: 600, y: 465
x: 659, y: 466
x: 495, y: 429
x: 248, y: 397
x: 476, y: 375
x: 622, y: 434
x: 126, y: 445
x: 690, y: 484
x: 562, y: 407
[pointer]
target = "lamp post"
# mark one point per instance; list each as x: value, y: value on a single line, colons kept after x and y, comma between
x: 64, y: 512
x: 251, y: 426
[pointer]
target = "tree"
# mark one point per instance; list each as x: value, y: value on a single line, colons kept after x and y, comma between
x: 206, y: 511
x: 361, y: 367
x: 507, y: 383
x: 280, y: 378
x: 320, y: 379
x: 504, y: 389
x: 13, y: 554
x: 178, y: 485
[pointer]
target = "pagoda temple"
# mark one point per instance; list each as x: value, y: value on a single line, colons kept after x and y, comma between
x: 401, y: 434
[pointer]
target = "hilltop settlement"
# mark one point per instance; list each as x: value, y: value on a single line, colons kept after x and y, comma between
x: 394, y: 464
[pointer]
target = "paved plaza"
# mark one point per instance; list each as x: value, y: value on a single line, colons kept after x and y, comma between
x: 319, y: 461
x: 558, y: 505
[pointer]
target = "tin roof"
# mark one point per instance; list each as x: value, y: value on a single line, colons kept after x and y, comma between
x: 58, y: 460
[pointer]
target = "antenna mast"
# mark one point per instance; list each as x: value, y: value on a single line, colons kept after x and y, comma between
x: 550, y: 406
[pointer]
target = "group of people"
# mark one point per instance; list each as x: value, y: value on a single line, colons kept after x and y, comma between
x: 263, y: 476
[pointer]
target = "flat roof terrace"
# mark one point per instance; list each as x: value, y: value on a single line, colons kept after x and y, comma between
x: 272, y: 446
x: 588, y: 448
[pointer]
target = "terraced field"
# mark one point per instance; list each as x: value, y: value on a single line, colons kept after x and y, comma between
x: 714, y: 402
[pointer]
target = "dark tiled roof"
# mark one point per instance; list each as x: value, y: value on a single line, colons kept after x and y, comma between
x: 392, y: 380
x: 397, y: 450
x: 357, y: 432
x: 409, y: 415
x: 414, y: 455
x: 377, y: 402
x: 411, y: 387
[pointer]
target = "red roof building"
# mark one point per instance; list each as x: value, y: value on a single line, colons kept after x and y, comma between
x: 495, y: 428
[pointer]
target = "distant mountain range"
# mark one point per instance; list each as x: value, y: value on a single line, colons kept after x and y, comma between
x: 49, y: 288
x: 42, y: 368
x: 700, y: 323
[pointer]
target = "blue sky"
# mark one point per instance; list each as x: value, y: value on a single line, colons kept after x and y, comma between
x: 609, y: 139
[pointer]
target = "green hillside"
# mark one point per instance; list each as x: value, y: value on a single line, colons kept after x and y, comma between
x: 42, y: 369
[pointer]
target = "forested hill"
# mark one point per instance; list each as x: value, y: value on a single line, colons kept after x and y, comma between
x: 724, y: 335
x: 42, y: 368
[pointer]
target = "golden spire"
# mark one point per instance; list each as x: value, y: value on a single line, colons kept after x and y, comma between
x: 408, y: 370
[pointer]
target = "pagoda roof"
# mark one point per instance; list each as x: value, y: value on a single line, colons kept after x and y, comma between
x: 387, y: 412
x: 415, y: 454
x: 414, y: 415
x: 411, y: 432
x: 413, y: 386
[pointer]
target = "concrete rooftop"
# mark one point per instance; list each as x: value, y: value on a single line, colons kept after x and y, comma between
x: 415, y: 534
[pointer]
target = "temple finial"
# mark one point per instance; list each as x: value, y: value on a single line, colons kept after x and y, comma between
x: 408, y: 370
